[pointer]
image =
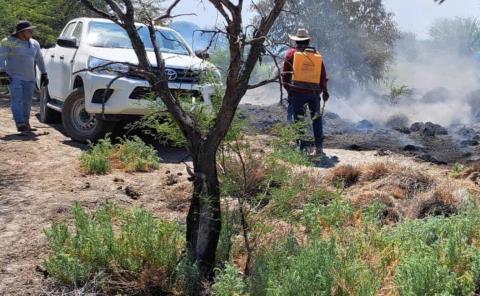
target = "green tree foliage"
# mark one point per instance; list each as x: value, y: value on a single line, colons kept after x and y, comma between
x: 356, y: 38
x: 458, y: 34
x: 50, y: 16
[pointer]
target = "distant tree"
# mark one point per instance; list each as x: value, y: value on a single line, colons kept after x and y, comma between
x: 355, y: 37
x: 50, y: 16
x: 459, y: 34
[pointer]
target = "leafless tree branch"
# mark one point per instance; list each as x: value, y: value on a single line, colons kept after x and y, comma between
x: 265, y: 82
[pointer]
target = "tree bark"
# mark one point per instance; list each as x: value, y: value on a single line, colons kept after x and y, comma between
x: 204, y: 216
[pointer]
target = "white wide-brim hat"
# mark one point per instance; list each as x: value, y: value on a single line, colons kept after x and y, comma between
x: 301, y: 35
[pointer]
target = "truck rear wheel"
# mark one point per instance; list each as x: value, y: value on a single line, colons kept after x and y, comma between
x: 80, y: 125
x: 47, y: 115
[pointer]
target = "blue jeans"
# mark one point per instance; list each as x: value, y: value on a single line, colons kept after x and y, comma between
x: 21, y: 93
x: 298, y: 102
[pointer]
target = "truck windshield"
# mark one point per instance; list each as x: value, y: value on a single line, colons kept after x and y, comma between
x: 110, y: 35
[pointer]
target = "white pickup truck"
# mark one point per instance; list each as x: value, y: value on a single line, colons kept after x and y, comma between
x: 79, y: 91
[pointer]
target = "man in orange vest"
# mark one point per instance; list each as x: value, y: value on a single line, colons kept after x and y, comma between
x: 298, y: 97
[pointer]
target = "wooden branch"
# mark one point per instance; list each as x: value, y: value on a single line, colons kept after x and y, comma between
x: 239, y: 70
x: 168, y: 12
x: 220, y: 8
x: 230, y: 6
x: 101, y: 13
x: 116, y: 8
x: 130, y: 9
x: 265, y: 82
x: 279, y: 69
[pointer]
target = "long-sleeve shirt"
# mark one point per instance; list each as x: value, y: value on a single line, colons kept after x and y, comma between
x: 18, y: 58
x: 288, y: 70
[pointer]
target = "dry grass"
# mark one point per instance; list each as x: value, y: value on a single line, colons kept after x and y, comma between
x: 247, y: 172
x: 377, y: 170
x: 407, y: 183
x: 472, y: 173
x: 444, y: 199
x: 344, y: 176
x: 406, y: 192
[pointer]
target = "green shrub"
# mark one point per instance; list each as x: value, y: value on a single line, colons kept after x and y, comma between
x: 422, y: 274
x: 285, y: 145
x: 68, y: 269
x: 286, y: 271
x: 230, y: 227
x: 228, y: 282
x: 97, y: 159
x: 112, y: 242
x: 133, y: 155
x: 187, y: 276
x: 137, y: 156
x: 335, y: 211
x: 355, y: 277
x: 282, y: 198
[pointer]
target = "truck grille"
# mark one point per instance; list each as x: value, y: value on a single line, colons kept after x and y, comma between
x: 143, y: 93
x: 182, y: 75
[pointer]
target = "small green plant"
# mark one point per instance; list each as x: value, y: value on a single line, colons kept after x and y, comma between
x: 132, y: 155
x: 457, y: 170
x: 136, y: 156
x: 116, y: 243
x: 285, y: 145
x: 97, y: 159
x: 397, y: 91
x: 228, y: 282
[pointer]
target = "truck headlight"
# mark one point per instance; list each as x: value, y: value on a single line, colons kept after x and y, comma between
x: 101, y: 66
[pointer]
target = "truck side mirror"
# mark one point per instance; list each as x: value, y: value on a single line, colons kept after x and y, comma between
x: 48, y: 45
x: 203, y: 54
x: 67, y: 42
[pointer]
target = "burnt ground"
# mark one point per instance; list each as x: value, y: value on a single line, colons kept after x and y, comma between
x: 434, y: 144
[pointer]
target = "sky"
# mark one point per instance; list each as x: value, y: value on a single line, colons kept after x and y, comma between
x: 411, y: 15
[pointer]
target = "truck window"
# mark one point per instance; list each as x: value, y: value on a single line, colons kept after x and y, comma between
x: 111, y: 35
x: 77, y: 33
x: 67, y: 32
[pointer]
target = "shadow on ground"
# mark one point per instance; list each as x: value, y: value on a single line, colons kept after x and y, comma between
x: 327, y: 162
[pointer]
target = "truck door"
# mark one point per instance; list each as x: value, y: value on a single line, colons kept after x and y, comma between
x: 54, y: 64
x: 66, y: 58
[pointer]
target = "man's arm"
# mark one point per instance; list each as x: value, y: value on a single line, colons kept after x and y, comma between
x: 288, y: 69
x: 3, y: 55
x: 323, y: 83
x: 324, y: 79
x: 39, y: 59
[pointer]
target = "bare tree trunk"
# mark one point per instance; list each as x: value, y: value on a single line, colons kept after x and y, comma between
x: 204, y: 216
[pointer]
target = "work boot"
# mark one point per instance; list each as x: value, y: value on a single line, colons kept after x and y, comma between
x: 319, y: 152
x: 22, y: 128
x: 29, y: 128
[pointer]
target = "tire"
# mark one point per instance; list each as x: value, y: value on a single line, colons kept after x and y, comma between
x: 78, y: 123
x: 47, y: 115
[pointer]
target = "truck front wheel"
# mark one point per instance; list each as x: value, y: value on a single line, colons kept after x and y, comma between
x: 78, y: 123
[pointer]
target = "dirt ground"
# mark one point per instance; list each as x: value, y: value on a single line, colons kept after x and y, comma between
x: 40, y: 180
